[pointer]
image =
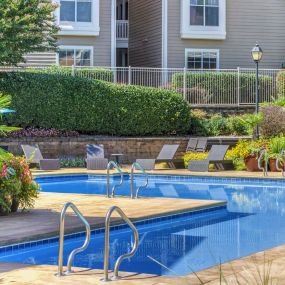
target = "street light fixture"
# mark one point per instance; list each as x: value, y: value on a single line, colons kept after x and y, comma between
x: 257, y: 55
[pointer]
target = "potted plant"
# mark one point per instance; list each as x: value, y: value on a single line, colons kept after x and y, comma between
x: 275, y: 147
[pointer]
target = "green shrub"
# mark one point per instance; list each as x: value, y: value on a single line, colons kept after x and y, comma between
x: 280, y: 83
x: 72, y: 162
x: 91, y: 73
x: 91, y: 106
x: 222, y: 84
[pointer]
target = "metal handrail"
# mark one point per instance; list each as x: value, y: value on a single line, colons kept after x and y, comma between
x: 265, y: 168
x: 115, y: 165
x: 61, y: 238
x: 138, y: 166
x: 107, y: 239
x: 278, y: 161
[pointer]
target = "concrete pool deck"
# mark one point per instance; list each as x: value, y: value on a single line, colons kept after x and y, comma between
x: 43, y: 220
x: 49, y: 205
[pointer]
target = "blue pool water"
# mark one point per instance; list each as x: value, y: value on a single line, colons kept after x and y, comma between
x: 254, y: 220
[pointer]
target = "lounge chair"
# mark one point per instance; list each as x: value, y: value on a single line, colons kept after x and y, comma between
x: 216, y: 156
x: 95, y: 157
x: 34, y: 155
x: 202, y: 145
x: 192, y: 144
x: 166, y: 154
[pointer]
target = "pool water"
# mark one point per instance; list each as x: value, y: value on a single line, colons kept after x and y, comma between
x: 253, y: 221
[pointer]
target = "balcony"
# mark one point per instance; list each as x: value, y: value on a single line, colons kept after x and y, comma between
x: 122, y: 30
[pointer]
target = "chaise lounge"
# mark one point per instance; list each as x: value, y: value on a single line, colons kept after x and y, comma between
x: 166, y: 154
x: 216, y: 156
x: 197, y: 145
x: 96, y: 157
x: 34, y: 155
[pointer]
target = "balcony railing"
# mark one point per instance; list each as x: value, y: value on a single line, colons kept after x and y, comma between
x: 122, y: 29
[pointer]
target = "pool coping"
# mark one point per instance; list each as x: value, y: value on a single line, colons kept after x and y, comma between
x: 117, y: 225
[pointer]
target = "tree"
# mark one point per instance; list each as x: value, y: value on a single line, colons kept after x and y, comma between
x: 26, y: 26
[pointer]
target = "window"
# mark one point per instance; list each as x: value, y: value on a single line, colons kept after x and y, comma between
x: 202, y: 59
x: 78, y: 17
x: 77, y: 56
x: 204, y: 12
x: 76, y: 11
x: 203, y: 19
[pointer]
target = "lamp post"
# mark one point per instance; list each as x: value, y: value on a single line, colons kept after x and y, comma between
x: 257, y: 54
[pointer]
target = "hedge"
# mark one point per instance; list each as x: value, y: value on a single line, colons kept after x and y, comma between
x: 92, y: 73
x: 93, y: 106
x: 280, y: 83
x: 205, y: 87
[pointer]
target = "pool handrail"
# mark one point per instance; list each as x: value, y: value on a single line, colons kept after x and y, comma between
x: 263, y: 154
x: 135, y: 166
x: 107, y: 240
x: 116, y: 166
x: 61, y: 239
x: 278, y: 163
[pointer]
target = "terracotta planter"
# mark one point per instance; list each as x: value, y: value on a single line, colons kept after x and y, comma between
x: 251, y: 163
x: 272, y: 165
x: 15, y: 205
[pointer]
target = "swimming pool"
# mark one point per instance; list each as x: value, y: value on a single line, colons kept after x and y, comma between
x: 253, y: 221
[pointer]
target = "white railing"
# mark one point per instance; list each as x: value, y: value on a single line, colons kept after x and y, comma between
x: 122, y: 29
x: 223, y: 87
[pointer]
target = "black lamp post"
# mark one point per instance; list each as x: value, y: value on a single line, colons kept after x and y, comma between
x: 257, y: 54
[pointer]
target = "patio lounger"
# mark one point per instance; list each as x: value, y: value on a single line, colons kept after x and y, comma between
x: 95, y: 157
x: 166, y: 154
x: 192, y: 144
x: 34, y: 155
x: 202, y: 145
x: 216, y: 157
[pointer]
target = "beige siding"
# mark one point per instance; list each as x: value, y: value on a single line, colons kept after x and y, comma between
x: 247, y: 22
x: 145, y: 33
x: 101, y: 44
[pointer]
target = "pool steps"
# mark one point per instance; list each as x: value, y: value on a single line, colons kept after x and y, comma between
x: 72, y: 255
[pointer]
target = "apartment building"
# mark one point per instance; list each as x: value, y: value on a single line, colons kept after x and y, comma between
x: 205, y: 34
x: 92, y: 33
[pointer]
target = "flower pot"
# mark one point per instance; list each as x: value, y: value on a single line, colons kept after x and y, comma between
x: 272, y: 165
x: 251, y: 163
x: 15, y: 205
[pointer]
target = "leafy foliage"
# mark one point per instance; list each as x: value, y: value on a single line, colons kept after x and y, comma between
x: 273, y: 123
x: 280, y: 85
x: 91, y: 73
x: 41, y: 133
x: 25, y: 26
x: 211, y: 84
x: 72, y: 162
x: 91, y: 106
x: 16, y: 184
x: 275, y: 146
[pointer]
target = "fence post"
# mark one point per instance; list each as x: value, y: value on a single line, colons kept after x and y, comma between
x: 184, y: 83
x: 72, y: 70
x: 130, y: 75
x: 238, y: 86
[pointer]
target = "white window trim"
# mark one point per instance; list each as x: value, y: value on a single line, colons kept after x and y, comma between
x: 80, y: 28
x: 217, y: 51
x: 78, y: 47
x: 202, y: 32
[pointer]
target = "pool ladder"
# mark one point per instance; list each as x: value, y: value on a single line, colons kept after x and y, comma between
x: 278, y: 161
x: 116, y: 166
x: 135, y: 166
x: 263, y: 155
x: 134, y: 194
x: 87, y: 241
x: 61, y: 239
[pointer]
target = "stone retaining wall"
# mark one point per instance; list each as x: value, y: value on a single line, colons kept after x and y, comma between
x: 146, y: 147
